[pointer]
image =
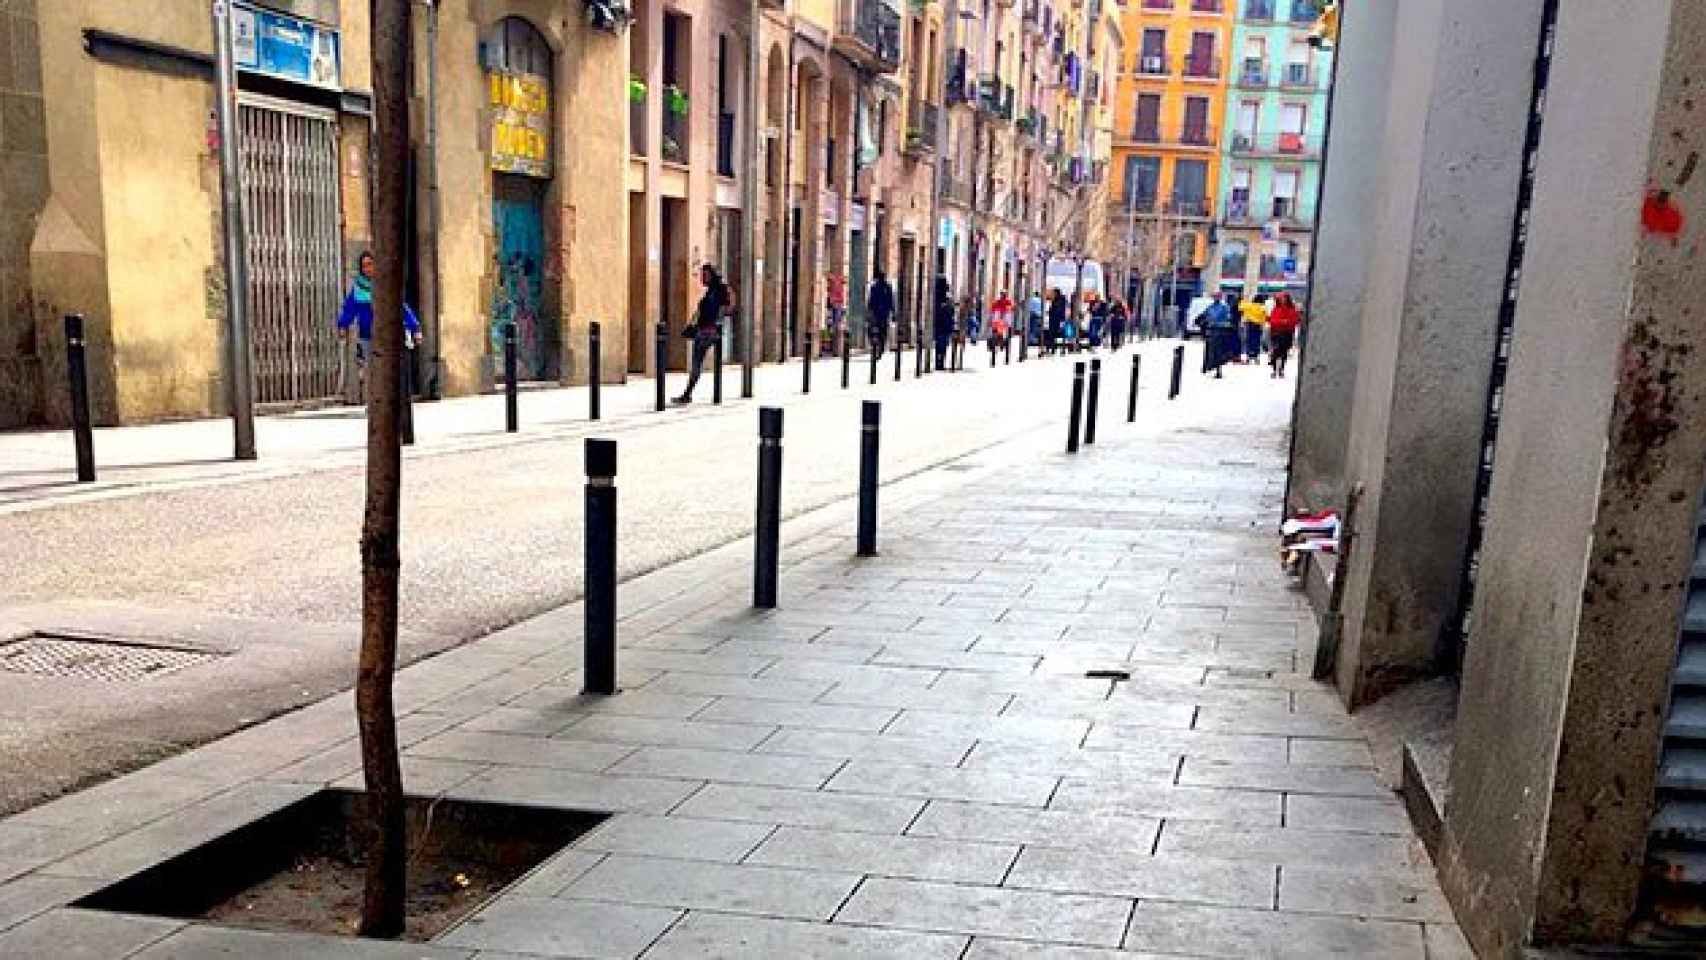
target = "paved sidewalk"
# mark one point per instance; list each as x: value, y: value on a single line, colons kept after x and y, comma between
x: 906, y: 760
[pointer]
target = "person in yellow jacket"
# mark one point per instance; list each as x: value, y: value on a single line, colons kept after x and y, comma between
x: 1254, y: 313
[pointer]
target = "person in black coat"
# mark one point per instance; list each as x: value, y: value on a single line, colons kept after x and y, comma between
x: 1056, y: 322
x: 880, y: 302
x: 944, y: 321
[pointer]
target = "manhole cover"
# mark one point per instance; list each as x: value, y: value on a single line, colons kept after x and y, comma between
x: 83, y: 658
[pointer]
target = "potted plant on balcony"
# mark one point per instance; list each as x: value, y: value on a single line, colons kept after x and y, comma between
x: 636, y: 90
x: 675, y: 100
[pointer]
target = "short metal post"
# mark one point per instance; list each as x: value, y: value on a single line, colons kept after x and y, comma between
x: 77, y: 373
x: 662, y: 360
x: 599, y: 675
x: 1007, y: 349
x: 846, y: 358
x: 594, y: 370
x: 1094, y: 400
x: 512, y: 406
x: 406, y: 402
x: 806, y: 358
x: 767, y: 533
x: 1077, y: 410
x: 1131, y: 403
x: 717, y: 369
x: 1178, y: 370
x: 870, y: 418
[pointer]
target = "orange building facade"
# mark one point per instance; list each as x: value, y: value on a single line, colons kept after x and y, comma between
x: 1168, y: 119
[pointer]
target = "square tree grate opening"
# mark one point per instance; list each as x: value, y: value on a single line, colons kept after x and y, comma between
x: 94, y: 658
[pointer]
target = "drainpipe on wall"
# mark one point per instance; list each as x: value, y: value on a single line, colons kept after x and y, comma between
x: 435, y: 321
x: 752, y: 271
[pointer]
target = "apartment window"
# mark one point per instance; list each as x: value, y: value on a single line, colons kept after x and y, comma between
x: 1255, y: 66
x: 1148, y: 125
x: 1258, y: 9
x: 1292, y: 118
x: 1205, y: 6
x: 1157, y: 4
x: 1190, y: 187
x: 1201, y: 62
x: 677, y: 75
x: 1196, y: 121
x: 1142, y: 179
x: 1185, y: 248
x: 1305, y: 11
x: 1152, y: 58
x: 1297, y: 65
x: 1234, y: 258
x: 725, y: 110
x: 1285, y: 194
x: 1238, y: 205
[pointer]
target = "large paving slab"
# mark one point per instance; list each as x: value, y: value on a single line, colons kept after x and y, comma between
x: 906, y: 759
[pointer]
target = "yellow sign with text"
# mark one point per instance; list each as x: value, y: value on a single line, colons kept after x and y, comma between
x: 521, y: 123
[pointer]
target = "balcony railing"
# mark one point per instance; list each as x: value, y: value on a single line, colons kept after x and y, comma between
x: 1157, y: 4
x: 1258, y: 9
x: 1201, y: 67
x: 959, y: 88
x: 1253, y: 74
x: 1273, y: 268
x: 1238, y: 210
x: 1234, y: 267
x: 1275, y: 145
x: 1153, y: 64
x: 1189, y: 136
x: 1189, y: 206
x: 957, y: 189
x: 921, y: 135
x: 674, y: 136
x: 870, y: 33
x: 637, y: 126
x: 1297, y: 75
x: 1141, y: 203
x: 1205, y: 6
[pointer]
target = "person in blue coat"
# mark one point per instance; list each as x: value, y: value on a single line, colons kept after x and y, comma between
x: 358, y: 313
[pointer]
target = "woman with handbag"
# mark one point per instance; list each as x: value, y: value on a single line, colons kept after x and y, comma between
x: 706, y: 328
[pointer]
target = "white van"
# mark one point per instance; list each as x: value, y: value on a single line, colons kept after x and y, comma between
x: 1062, y: 276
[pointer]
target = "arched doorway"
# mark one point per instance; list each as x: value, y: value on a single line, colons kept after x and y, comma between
x: 517, y: 64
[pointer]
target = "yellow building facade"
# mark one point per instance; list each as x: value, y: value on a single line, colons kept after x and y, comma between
x: 1168, y: 118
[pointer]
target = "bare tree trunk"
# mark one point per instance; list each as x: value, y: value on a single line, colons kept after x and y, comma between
x: 382, y: 901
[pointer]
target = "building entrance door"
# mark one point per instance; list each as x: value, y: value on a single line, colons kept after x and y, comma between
x: 518, y: 214
x: 293, y: 249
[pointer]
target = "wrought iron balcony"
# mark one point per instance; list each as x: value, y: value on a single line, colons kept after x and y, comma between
x: 1201, y: 67
x: 869, y: 33
x: 1296, y: 145
x: 1297, y: 76
x: 921, y: 131
x: 1253, y: 74
x: 1153, y: 64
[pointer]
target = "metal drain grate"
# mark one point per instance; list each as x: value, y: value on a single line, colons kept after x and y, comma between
x: 82, y: 658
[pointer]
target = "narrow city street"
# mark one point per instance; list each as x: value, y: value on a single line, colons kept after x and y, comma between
x: 908, y: 758
x: 257, y: 563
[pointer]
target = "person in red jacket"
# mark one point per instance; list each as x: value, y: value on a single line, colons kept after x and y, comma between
x: 1283, y: 322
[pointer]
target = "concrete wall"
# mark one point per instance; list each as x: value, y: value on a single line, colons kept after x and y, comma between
x: 23, y: 191
x: 1350, y: 199
x: 1453, y: 159
x: 1578, y: 600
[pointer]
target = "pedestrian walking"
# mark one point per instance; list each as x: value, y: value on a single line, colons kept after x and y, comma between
x: 1034, y: 318
x: 357, y: 313
x: 943, y: 328
x: 1220, y: 334
x: 836, y: 302
x: 1254, y: 312
x: 879, y: 302
x: 1282, y: 330
x: 1118, y: 318
x: 1098, y: 324
x: 1057, y: 324
x: 1000, y: 321
x: 706, y: 328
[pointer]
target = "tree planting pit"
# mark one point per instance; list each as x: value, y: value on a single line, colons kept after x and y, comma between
x: 301, y: 867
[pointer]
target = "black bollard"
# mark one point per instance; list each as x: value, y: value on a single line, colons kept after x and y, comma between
x: 767, y: 533
x: 600, y: 603
x: 899, y: 354
x: 1178, y: 370
x: 1094, y: 401
x: 593, y: 370
x: 992, y: 354
x: 406, y: 387
x: 717, y: 369
x: 870, y: 417
x: 1077, y: 410
x: 77, y: 375
x: 806, y: 359
x: 1007, y: 351
x: 512, y: 407
x: 846, y: 359
x: 1131, y: 403
x: 662, y: 360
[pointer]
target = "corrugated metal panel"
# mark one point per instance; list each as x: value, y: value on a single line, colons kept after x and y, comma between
x: 1675, y: 891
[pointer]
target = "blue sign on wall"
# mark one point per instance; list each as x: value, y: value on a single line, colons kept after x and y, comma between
x: 276, y: 45
x: 1289, y: 264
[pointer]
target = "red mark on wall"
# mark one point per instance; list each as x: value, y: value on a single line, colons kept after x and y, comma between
x: 1660, y: 216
